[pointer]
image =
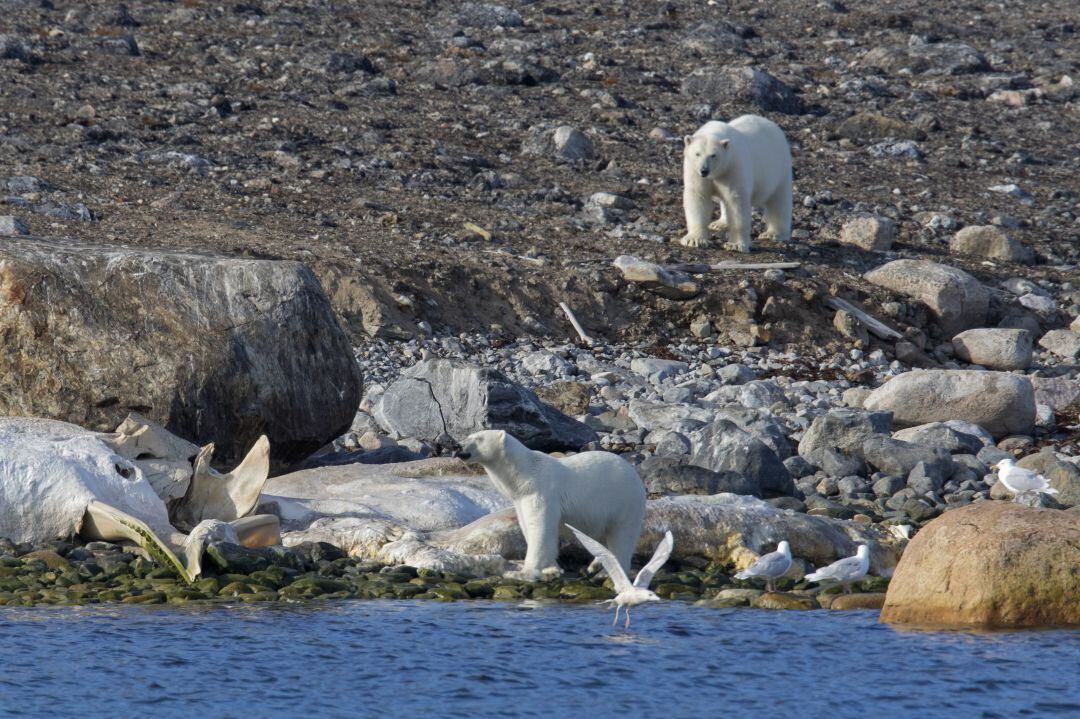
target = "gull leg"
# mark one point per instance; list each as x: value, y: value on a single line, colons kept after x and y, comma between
x: 627, y: 625
x: 616, y: 619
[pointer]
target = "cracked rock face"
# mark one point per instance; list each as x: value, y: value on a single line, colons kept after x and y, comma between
x: 449, y: 397
x: 214, y: 349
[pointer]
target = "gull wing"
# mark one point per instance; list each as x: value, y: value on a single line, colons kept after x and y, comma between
x: 771, y: 565
x: 611, y: 564
x: 841, y: 570
x: 663, y: 551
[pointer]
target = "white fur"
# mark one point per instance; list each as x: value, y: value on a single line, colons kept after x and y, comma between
x: 748, y: 164
x: 597, y: 492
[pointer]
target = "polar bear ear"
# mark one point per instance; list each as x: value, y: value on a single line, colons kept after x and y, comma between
x: 725, y: 143
x: 687, y: 139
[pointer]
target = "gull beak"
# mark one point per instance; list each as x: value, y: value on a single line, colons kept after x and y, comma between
x: 995, y: 466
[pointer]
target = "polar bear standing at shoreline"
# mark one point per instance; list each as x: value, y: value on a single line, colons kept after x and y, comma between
x: 741, y: 164
x: 597, y: 492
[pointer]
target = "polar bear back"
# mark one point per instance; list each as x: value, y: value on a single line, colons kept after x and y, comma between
x: 600, y: 489
x: 763, y: 147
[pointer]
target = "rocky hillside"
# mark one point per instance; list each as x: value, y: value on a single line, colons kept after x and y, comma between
x: 459, y: 166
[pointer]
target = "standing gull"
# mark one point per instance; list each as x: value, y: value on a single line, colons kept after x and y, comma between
x: 1021, y: 482
x: 627, y: 594
x: 845, y: 571
x: 771, y: 566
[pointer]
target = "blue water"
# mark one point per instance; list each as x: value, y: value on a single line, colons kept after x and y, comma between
x: 420, y: 659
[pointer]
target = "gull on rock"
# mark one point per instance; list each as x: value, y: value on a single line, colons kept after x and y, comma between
x: 627, y: 594
x: 1021, y: 482
x: 846, y: 570
x: 770, y: 566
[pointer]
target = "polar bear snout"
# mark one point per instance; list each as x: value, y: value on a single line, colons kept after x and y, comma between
x: 704, y: 170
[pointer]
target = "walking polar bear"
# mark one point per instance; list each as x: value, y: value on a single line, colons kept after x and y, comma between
x: 597, y: 492
x: 741, y: 164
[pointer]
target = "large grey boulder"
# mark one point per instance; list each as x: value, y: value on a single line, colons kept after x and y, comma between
x: 669, y: 476
x: 990, y: 242
x: 994, y: 347
x: 1000, y: 402
x: 723, y: 446
x: 734, y: 88
x: 943, y: 436
x: 957, y: 300
x: 941, y: 58
x: 215, y: 349
x: 844, y: 430
x: 896, y: 457
x: 440, y: 397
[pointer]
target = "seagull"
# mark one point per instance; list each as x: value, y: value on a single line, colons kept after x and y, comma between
x: 846, y: 570
x: 1021, y: 481
x: 770, y: 566
x: 627, y: 594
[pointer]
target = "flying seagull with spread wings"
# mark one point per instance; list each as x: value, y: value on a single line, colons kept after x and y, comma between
x: 627, y: 594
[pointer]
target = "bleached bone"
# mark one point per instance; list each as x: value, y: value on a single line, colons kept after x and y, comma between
x: 164, y: 458
x: 212, y: 495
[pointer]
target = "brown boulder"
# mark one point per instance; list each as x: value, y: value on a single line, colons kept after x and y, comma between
x: 996, y: 564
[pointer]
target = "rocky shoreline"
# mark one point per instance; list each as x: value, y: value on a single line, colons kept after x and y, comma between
x: 65, y: 574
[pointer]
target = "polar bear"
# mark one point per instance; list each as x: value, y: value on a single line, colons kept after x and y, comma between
x: 741, y: 164
x: 597, y: 492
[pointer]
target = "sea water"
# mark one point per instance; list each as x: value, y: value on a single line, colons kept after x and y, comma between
x: 488, y: 659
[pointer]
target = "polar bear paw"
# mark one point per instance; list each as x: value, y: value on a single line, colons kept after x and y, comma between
x: 718, y: 225
x: 689, y: 240
x: 535, y: 575
x: 737, y: 246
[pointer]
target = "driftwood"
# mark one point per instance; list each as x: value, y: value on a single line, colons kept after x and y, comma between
x: 872, y: 324
x: 577, y: 325
x: 700, y: 269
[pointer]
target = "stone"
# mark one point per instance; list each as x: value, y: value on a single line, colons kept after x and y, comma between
x: 656, y: 279
x: 870, y: 232
x: 783, y: 600
x: 721, y: 445
x: 990, y: 242
x: 542, y: 362
x: 844, y: 430
x: 571, y: 144
x: 1057, y: 393
x: 735, y: 374
x: 571, y: 398
x: 761, y: 423
x: 229, y: 558
x: 1063, y: 476
x: 453, y: 397
x: 1075, y: 325
x: 957, y: 300
x: 894, y: 457
x: 1040, y: 304
x: 11, y: 226
x: 888, y: 485
x: 657, y: 370
x: 651, y: 415
x: 866, y: 126
x: 849, y: 326
x: 215, y: 349
x: 14, y: 47
x: 926, y: 478
x: 942, y: 436
x: 732, y: 89
x: 701, y: 328
x: 1018, y: 568
x: 865, y: 600
x: 1063, y: 343
x: 994, y: 348
x: 1000, y: 402
x: 561, y: 143
x: 668, y: 476
x: 487, y: 15
x: 834, y: 463
x: 942, y: 58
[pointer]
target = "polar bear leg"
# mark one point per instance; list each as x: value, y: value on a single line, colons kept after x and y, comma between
x: 622, y: 540
x: 698, y: 208
x: 777, y: 211
x: 539, y: 522
x: 739, y: 216
x: 721, y: 224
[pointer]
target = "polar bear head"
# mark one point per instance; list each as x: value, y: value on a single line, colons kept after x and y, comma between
x: 708, y: 154
x: 484, y: 447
